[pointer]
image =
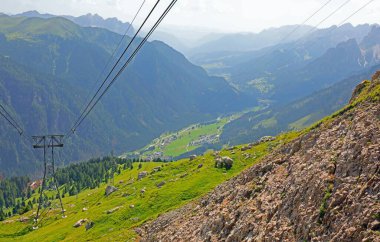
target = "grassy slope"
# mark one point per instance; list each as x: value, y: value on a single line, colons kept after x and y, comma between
x: 119, y: 226
x: 178, y: 191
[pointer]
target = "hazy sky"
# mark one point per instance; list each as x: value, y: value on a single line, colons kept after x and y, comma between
x: 217, y: 15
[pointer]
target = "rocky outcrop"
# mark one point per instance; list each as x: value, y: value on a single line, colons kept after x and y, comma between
x: 323, y: 186
x: 110, y: 190
x: 224, y: 162
x: 156, y: 169
x: 113, y: 210
x: 192, y: 157
x: 161, y: 184
x: 142, y: 174
x: 89, y: 225
x: 80, y: 222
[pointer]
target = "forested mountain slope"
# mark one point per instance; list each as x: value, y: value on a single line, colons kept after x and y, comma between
x: 295, y: 115
x: 301, y: 92
x: 50, y: 65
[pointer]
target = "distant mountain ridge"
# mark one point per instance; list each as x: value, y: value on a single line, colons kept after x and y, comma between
x: 295, y: 115
x: 251, y: 41
x: 302, y: 81
x: 88, y: 20
x: 300, y: 64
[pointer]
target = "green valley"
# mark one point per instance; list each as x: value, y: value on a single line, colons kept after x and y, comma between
x: 171, y: 145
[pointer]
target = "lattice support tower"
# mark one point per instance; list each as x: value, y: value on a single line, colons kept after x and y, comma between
x: 47, y: 142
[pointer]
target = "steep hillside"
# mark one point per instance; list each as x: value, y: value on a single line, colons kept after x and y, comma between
x: 54, y: 63
x: 165, y: 186
x: 301, y: 96
x: 292, y: 72
x: 317, y: 184
x: 323, y: 186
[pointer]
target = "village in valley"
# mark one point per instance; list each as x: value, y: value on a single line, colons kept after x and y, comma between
x: 171, y: 145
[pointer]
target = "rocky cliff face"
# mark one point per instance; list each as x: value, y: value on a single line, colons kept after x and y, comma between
x: 323, y: 186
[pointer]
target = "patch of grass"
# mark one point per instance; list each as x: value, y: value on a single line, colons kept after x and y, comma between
x: 323, y: 207
x: 377, y: 216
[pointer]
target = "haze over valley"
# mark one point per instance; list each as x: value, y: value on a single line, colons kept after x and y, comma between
x: 146, y: 123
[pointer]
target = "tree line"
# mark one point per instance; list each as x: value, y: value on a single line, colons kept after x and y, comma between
x: 16, y: 195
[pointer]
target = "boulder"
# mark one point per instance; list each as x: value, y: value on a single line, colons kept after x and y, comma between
x: 218, y: 162
x: 131, y: 206
x: 159, y: 185
x: 24, y: 219
x: 224, y: 161
x: 80, y: 222
x: 84, y: 209
x: 200, y: 166
x: 142, y: 174
x: 89, y: 225
x: 193, y: 157
x: 113, y: 210
x: 110, y: 190
x: 156, y: 169
x: 375, y: 225
x: 183, y: 175
x: 227, y: 161
x: 266, y: 139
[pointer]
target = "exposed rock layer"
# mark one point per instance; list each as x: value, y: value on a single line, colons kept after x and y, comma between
x: 323, y: 186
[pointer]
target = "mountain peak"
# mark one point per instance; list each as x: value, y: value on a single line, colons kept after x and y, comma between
x: 349, y: 44
x: 373, y: 38
x: 31, y: 12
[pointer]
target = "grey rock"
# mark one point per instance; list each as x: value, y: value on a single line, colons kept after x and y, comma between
x: 110, y: 190
x: 159, y: 185
x: 142, y: 174
x: 89, y: 225
x: 192, y: 157
x: 80, y: 222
